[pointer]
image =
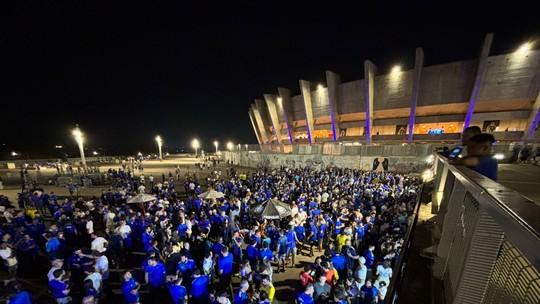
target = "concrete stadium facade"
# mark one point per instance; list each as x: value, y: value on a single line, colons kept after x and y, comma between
x: 499, y: 93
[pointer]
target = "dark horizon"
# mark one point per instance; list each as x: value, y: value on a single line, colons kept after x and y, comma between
x: 127, y: 73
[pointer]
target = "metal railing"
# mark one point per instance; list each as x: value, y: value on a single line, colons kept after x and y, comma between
x: 488, y: 248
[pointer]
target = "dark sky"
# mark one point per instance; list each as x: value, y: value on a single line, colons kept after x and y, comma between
x: 126, y: 71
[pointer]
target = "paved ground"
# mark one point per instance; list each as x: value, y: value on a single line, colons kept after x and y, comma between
x: 523, y: 178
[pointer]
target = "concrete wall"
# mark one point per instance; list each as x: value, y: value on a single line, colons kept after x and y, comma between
x: 446, y: 83
x: 351, y: 97
x: 511, y: 76
x: 402, y: 158
x: 393, y: 90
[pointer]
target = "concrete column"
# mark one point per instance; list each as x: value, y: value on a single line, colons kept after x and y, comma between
x: 369, y: 84
x: 305, y: 87
x: 255, y: 129
x: 333, y: 81
x: 480, y: 74
x: 534, y: 119
x: 418, y: 66
x: 287, y: 111
x: 263, y: 112
x: 260, y: 123
x: 272, y: 112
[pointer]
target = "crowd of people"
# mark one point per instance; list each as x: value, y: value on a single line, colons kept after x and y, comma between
x: 349, y: 225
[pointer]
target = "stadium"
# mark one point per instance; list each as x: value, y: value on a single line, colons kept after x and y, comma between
x: 498, y: 93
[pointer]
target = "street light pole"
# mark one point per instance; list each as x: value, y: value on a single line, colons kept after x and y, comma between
x: 216, y: 144
x: 79, y: 138
x: 159, y: 143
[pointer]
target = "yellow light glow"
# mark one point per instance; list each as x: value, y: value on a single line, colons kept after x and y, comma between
x: 396, y: 69
x: 279, y: 99
x: 320, y: 87
x: 159, y: 140
x: 525, y: 48
x: 216, y: 144
x: 79, y: 137
x: 195, y: 144
x: 230, y: 146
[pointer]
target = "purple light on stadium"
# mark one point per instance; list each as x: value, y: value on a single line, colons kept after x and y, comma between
x: 332, y: 116
x: 534, y: 124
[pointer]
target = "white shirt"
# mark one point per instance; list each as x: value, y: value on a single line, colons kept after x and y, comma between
x: 6, y: 255
x: 124, y: 230
x: 384, y: 274
x: 50, y: 275
x: 98, y: 244
x: 324, y: 197
x: 96, y: 280
x: 102, y: 264
x: 90, y: 227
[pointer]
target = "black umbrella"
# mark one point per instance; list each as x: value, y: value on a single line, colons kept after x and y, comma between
x: 272, y: 209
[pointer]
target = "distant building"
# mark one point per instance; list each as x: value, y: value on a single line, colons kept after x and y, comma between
x: 500, y: 93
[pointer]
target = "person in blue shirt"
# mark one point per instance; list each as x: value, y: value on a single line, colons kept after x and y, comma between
x: 370, y: 293
x: 479, y: 156
x: 291, y: 244
x: 199, y: 288
x: 130, y: 289
x: 241, y: 296
x: 19, y: 296
x: 266, y: 253
x: 369, y: 256
x: 154, y: 275
x: 306, y: 297
x: 340, y: 264
x: 147, y: 238
x: 177, y: 291
x: 312, y: 237
x: 59, y: 288
x: 225, y: 268
x: 300, y: 231
x: 252, y: 253
x: 282, y: 250
x: 185, y: 267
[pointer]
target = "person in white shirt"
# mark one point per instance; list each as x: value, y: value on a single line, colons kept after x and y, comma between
x: 102, y: 265
x: 361, y: 271
x: 382, y: 290
x: 56, y: 264
x: 96, y: 279
x: 10, y: 260
x: 89, y: 226
x: 124, y: 230
x: 99, y: 243
x: 384, y: 273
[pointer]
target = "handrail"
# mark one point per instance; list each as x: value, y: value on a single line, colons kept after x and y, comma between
x: 518, y: 215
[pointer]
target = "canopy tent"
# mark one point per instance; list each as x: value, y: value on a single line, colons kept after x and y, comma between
x: 272, y: 209
x: 211, y: 194
x: 141, y: 198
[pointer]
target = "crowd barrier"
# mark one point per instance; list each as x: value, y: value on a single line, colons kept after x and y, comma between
x: 488, y: 247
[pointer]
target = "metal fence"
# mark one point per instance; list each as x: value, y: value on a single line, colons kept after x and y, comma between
x: 488, y: 249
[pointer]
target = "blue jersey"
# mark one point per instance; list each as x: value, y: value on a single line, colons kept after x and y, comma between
x: 291, y: 239
x: 199, y: 287
x: 156, y: 274
x: 186, y: 268
x: 225, y: 264
x: 266, y: 254
x: 21, y: 297
x: 57, y: 289
x: 178, y: 293
x: 127, y: 288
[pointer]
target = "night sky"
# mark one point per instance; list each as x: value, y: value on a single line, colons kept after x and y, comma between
x: 128, y: 71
